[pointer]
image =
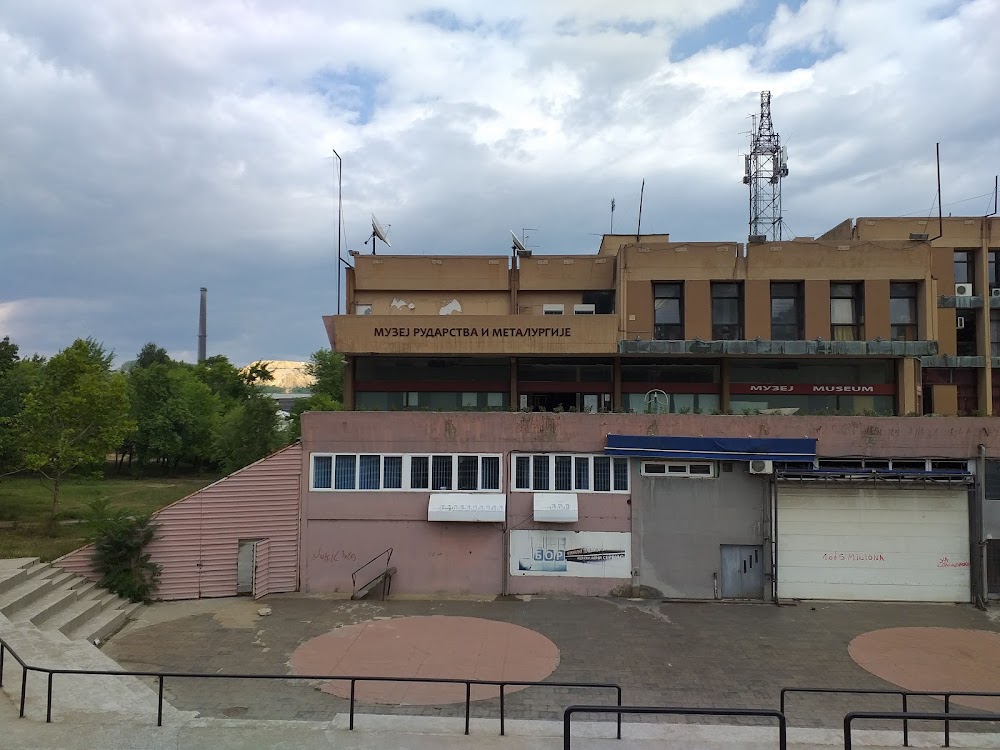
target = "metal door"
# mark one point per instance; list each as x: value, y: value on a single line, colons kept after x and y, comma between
x: 245, y: 564
x: 742, y: 571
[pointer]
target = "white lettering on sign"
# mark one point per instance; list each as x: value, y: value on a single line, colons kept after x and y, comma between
x: 472, y: 332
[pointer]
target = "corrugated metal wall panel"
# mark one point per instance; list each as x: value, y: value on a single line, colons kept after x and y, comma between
x: 198, y: 537
x: 261, y: 551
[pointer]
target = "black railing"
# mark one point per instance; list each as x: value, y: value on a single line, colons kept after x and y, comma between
x: 850, y: 718
x: 904, y: 695
x: 502, y: 685
x: 674, y: 711
x: 354, y: 575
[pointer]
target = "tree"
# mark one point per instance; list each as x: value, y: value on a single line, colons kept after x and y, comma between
x: 15, y: 384
x: 247, y: 433
x: 327, y: 367
x: 316, y: 402
x: 151, y: 354
x: 8, y: 355
x: 74, y: 416
x: 227, y: 382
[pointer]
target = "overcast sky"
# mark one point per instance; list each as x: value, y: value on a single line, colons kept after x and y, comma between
x: 151, y: 148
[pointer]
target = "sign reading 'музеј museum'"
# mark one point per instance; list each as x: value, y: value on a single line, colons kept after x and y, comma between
x: 478, y: 332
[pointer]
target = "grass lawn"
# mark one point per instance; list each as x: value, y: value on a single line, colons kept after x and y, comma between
x: 25, y: 506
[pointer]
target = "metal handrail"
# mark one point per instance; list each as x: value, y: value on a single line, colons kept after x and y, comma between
x: 353, y: 679
x: 354, y: 575
x: 676, y: 711
x: 850, y: 718
x: 947, y: 695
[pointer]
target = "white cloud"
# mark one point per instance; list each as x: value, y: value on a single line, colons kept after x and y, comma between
x: 158, y: 147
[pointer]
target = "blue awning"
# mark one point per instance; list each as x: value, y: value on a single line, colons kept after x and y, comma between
x: 789, y: 450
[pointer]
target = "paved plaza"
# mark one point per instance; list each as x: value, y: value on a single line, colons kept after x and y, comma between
x: 685, y: 654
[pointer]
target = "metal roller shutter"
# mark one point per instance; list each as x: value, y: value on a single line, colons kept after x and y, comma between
x: 873, y: 543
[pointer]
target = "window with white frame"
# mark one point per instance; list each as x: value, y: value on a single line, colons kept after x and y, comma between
x: 435, y: 472
x: 568, y: 472
x: 690, y: 469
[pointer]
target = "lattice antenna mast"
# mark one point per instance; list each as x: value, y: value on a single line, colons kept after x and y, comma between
x: 766, y: 165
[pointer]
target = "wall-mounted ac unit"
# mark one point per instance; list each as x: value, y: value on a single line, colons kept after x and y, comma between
x: 995, y: 292
x: 963, y: 290
x: 761, y: 467
x: 960, y: 324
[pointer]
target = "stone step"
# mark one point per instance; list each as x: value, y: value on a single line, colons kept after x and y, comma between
x: 103, y: 624
x: 15, y: 570
x: 77, y: 613
x: 61, y: 597
x: 32, y: 589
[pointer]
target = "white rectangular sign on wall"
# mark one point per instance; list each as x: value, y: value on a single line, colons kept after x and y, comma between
x: 577, y: 554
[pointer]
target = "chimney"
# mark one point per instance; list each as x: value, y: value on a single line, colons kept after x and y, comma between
x: 203, y: 325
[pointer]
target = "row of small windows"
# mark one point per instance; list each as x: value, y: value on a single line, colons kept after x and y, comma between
x: 468, y: 472
x: 435, y: 472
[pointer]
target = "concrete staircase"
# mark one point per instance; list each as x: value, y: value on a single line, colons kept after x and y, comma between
x: 52, y: 618
x: 53, y: 600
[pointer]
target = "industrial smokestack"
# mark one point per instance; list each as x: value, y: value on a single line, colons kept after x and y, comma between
x: 203, y: 325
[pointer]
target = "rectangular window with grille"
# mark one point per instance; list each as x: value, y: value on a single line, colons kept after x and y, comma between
x: 668, y: 311
x: 543, y: 472
x: 344, y: 468
x: 323, y: 473
x: 375, y: 471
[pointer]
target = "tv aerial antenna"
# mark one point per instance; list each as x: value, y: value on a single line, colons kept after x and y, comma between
x: 518, y: 246
x: 378, y: 233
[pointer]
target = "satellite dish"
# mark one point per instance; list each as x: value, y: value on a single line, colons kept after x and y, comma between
x: 518, y: 246
x: 379, y: 232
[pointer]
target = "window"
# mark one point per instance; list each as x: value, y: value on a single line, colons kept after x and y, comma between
x: 552, y: 309
x: 786, y: 311
x: 903, y: 310
x: 374, y: 471
x: 994, y: 264
x: 668, y: 311
x: 699, y: 470
x: 846, y: 316
x: 587, y: 309
x: 965, y: 266
x: 727, y: 311
x: 362, y: 308
x: 569, y: 473
x: 995, y: 333
x: 966, y: 340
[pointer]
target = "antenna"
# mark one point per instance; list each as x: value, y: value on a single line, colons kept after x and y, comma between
x: 518, y: 247
x: 996, y: 183
x: 612, y: 216
x: 937, y: 156
x: 765, y: 166
x: 638, y: 227
x: 378, y: 233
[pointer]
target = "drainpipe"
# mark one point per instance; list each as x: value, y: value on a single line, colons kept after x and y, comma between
x: 979, y: 560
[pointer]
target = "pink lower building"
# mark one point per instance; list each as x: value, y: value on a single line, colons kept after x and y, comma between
x: 673, y: 506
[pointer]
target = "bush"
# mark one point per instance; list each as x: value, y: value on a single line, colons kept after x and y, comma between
x: 120, y: 539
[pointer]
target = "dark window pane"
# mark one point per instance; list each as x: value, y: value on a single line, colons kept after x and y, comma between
x: 368, y: 472
x: 602, y: 474
x: 441, y: 472
x: 540, y: 473
x: 564, y: 473
x: 490, y: 471
x: 343, y: 477
x: 392, y: 472
x: 322, y: 472
x: 468, y: 472
x: 902, y: 311
x: 419, y: 472
x: 582, y: 473
x: 667, y: 311
x: 522, y: 472
x: 621, y: 473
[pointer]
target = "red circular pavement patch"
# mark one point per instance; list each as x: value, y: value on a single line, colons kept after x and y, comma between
x: 434, y: 646
x: 934, y: 659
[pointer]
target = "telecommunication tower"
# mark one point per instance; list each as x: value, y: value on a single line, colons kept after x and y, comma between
x: 766, y: 165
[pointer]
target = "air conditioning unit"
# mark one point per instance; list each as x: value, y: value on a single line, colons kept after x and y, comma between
x: 995, y: 292
x: 761, y: 467
x: 963, y: 290
x: 960, y: 324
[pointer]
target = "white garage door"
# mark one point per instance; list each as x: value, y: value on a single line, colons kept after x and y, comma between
x: 877, y: 544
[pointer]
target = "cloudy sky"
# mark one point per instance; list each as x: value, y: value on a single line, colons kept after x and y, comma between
x: 151, y: 148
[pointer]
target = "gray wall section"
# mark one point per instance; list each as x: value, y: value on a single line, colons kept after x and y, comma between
x: 679, y: 524
x: 991, y: 510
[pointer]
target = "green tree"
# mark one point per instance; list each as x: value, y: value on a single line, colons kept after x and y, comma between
x: 151, y: 354
x: 227, y: 381
x: 316, y: 402
x: 327, y: 367
x: 247, y: 432
x: 15, y: 383
x: 75, y: 415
